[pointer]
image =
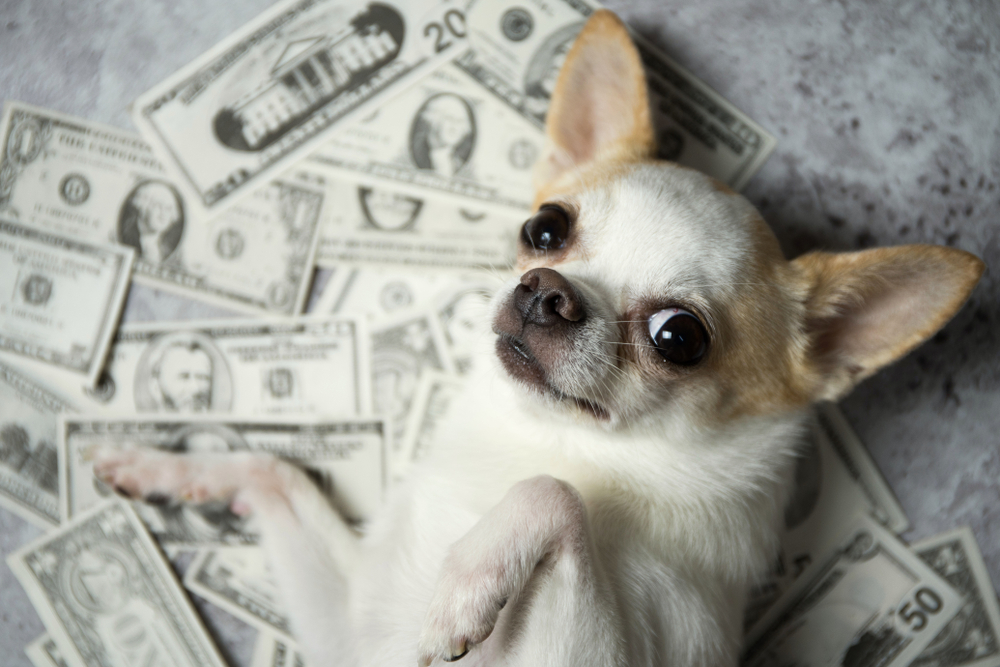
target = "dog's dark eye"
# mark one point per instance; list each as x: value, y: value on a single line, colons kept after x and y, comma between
x: 547, y: 229
x: 678, y: 336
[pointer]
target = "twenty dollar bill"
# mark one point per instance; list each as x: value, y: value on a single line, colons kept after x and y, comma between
x: 244, y: 111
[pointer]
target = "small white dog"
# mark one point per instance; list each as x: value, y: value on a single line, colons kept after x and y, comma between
x: 611, y: 501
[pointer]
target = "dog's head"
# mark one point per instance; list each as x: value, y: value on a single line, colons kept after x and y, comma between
x: 648, y: 288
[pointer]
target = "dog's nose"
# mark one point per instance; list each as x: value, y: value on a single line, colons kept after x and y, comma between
x: 546, y: 298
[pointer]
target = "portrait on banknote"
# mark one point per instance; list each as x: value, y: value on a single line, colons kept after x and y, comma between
x: 443, y: 134
x: 152, y: 220
x: 388, y: 211
x: 183, y: 372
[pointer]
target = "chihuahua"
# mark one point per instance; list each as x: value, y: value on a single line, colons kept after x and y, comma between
x: 610, y: 485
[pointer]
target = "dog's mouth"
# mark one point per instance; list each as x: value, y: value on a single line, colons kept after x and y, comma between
x: 521, y: 364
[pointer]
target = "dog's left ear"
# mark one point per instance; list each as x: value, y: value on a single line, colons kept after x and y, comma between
x: 866, y: 309
x: 600, y: 106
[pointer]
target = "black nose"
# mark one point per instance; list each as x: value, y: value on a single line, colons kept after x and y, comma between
x: 545, y: 298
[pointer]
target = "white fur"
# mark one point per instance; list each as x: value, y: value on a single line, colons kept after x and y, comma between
x: 631, y: 542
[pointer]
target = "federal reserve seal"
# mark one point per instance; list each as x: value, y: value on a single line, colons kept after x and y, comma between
x: 517, y: 24
x: 229, y: 244
x: 36, y: 290
x: 74, y: 189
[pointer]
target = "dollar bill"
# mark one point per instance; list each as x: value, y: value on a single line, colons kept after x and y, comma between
x: 459, y: 300
x: 108, y: 597
x: 377, y: 225
x: 238, y: 580
x: 29, y: 468
x: 886, y: 507
x: 430, y: 404
x: 276, y: 651
x: 43, y: 652
x: 307, y: 365
x: 447, y: 134
x: 348, y: 457
x: 402, y: 348
x: 518, y: 48
x: 72, y: 176
x: 972, y: 638
x: 869, y: 601
x: 247, y: 109
x: 60, y: 299
x: 833, y: 485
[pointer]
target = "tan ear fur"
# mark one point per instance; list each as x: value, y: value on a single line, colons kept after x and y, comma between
x: 866, y: 309
x: 600, y: 105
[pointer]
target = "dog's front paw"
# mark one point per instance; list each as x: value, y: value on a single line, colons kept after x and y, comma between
x: 149, y: 475
x: 465, y: 606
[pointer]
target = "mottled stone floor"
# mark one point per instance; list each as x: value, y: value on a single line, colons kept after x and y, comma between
x: 888, y: 120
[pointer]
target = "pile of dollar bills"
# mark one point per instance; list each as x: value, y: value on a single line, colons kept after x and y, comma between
x: 390, y: 145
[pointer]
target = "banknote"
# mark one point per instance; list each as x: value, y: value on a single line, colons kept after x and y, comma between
x: 458, y: 299
x: 430, y: 403
x: 43, y: 652
x: 29, y: 468
x: 833, y: 485
x: 247, y: 109
x: 447, y: 133
x: 375, y: 225
x: 972, y: 638
x: 72, y: 176
x: 108, y: 597
x: 887, y: 509
x: 347, y: 457
x: 276, y: 651
x: 256, y: 366
x: 402, y: 348
x: 869, y: 601
x: 60, y: 299
x: 239, y: 581
x: 518, y: 48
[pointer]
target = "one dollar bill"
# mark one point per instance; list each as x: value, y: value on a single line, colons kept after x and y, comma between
x: 72, y: 176
x: 60, y: 299
x: 347, y: 456
x: 868, y: 602
x: 108, y: 597
x: 269, y: 93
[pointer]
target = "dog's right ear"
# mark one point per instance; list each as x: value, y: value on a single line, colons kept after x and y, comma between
x: 866, y: 309
x: 600, y: 106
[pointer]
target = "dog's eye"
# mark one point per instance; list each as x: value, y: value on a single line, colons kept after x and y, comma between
x: 678, y: 336
x: 547, y: 229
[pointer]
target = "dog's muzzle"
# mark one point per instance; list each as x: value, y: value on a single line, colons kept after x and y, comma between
x: 537, y: 324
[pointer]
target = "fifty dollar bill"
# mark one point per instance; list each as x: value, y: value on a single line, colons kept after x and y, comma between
x: 868, y: 602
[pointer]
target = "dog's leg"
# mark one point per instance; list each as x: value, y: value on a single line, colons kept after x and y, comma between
x: 311, y: 549
x: 539, y: 529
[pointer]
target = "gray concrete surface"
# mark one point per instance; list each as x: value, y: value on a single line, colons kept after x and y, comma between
x: 887, y: 119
